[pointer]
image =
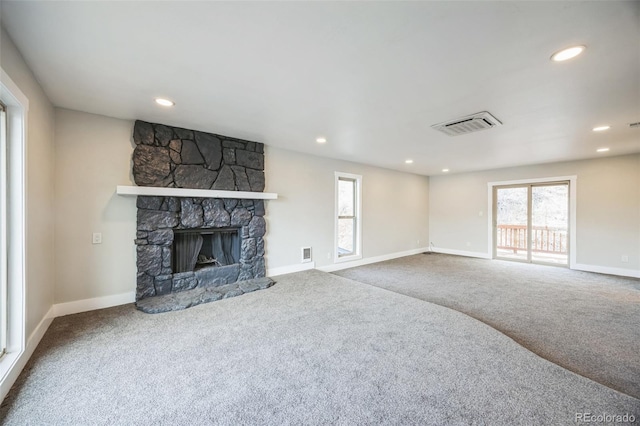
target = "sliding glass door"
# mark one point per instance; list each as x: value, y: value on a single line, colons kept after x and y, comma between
x: 532, y: 222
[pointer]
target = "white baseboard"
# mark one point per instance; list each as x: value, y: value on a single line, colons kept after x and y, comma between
x: 368, y: 260
x: 78, y: 306
x: 17, y: 364
x: 462, y: 253
x: 607, y: 270
x: 39, y: 331
x: 272, y: 272
x: 578, y: 266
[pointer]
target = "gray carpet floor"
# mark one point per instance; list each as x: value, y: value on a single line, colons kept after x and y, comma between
x: 314, y: 349
x: 588, y: 323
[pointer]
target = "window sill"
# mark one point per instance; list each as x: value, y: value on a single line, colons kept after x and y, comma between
x: 342, y: 259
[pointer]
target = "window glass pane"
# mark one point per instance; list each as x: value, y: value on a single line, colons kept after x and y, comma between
x: 345, y: 236
x: 511, y: 218
x: 550, y: 224
x: 346, y: 197
x: 348, y: 240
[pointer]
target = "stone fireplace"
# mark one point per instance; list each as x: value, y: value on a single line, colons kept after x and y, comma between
x: 192, y: 250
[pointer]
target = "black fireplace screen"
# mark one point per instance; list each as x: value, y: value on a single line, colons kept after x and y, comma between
x: 196, y: 249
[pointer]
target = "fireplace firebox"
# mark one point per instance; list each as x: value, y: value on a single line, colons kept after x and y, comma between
x: 195, y: 249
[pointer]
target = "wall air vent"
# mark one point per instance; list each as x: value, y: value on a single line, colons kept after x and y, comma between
x: 306, y: 254
x: 635, y: 125
x: 471, y: 123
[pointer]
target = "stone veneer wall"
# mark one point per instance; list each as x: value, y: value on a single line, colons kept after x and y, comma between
x: 172, y: 157
x: 158, y: 217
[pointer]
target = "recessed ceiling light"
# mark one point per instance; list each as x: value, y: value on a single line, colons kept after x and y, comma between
x: 164, y: 102
x: 602, y: 149
x: 568, y: 53
x: 601, y: 128
x: 409, y: 161
x: 445, y: 170
x: 321, y: 140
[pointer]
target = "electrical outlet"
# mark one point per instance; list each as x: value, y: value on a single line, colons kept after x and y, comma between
x: 468, y: 244
x: 97, y: 238
x: 418, y: 242
x: 625, y: 258
x: 329, y: 255
x: 480, y: 213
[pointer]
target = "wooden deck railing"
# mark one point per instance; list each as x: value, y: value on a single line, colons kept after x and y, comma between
x: 543, y: 239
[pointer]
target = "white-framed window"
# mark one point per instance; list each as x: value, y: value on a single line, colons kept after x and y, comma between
x: 12, y: 224
x: 348, y: 221
x: 3, y: 230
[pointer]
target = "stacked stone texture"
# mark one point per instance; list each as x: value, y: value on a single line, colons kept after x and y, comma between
x: 158, y: 217
x: 172, y: 157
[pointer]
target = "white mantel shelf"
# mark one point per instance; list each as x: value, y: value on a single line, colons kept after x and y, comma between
x: 199, y: 193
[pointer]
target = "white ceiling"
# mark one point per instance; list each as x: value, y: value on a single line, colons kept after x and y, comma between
x: 371, y: 77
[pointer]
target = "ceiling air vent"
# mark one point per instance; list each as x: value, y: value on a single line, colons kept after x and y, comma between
x: 471, y: 123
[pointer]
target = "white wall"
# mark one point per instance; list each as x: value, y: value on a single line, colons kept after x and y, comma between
x: 38, y: 217
x: 93, y: 155
x: 608, y: 209
x: 39, y: 186
x: 394, y: 208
